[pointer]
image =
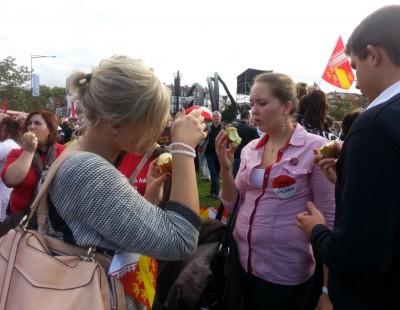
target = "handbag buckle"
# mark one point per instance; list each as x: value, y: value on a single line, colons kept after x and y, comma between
x: 224, y: 249
x: 90, y: 255
x: 24, y: 224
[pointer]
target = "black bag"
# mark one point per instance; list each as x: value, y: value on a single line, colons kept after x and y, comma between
x: 211, y: 278
x: 224, y: 290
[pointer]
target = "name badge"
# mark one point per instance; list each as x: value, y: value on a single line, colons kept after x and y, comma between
x: 284, y: 186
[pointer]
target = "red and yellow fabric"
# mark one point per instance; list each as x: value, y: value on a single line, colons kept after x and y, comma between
x: 211, y: 213
x: 338, y: 72
x: 138, y: 274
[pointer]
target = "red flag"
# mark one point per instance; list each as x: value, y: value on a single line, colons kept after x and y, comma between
x: 338, y: 72
x: 4, y: 107
x: 73, y: 112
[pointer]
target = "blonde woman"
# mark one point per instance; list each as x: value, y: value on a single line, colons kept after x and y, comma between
x: 126, y: 108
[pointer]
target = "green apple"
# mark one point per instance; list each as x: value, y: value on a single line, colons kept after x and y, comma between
x: 232, y: 137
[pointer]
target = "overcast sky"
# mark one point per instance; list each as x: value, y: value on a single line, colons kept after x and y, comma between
x: 197, y: 38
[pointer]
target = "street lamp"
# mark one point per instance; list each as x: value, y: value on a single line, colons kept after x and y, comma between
x: 32, y: 57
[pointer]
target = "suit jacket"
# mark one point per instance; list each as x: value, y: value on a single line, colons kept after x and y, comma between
x: 363, y: 250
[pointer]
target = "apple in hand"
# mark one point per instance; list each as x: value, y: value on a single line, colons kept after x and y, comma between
x: 331, y: 149
x: 29, y: 135
x: 232, y: 137
x: 164, y: 162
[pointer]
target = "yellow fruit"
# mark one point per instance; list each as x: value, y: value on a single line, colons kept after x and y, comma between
x: 232, y: 137
x: 164, y: 162
x: 330, y: 149
x: 29, y: 134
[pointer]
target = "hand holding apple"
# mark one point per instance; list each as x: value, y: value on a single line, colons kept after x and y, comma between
x: 164, y: 162
x: 331, y: 149
x: 232, y: 137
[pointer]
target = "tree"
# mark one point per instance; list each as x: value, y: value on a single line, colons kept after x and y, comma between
x: 340, y: 107
x: 15, y: 84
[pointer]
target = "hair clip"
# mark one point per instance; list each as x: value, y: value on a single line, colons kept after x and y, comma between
x: 88, y: 77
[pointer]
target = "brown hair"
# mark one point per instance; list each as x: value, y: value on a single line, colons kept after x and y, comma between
x: 349, y: 119
x: 51, y: 123
x: 381, y: 28
x: 313, y: 107
x: 13, y: 128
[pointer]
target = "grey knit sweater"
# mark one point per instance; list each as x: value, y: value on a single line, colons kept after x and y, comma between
x: 100, y: 208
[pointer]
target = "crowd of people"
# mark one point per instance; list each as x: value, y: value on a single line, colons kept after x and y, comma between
x: 312, y: 232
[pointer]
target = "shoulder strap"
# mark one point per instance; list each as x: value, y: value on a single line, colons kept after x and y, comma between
x: 141, y: 163
x: 40, y: 205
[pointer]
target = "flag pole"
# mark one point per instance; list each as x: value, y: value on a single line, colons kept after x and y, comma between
x: 337, y: 40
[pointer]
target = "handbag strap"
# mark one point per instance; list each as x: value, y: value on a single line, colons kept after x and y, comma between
x: 40, y: 205
x: 10, y: 267
x: 230, y: 226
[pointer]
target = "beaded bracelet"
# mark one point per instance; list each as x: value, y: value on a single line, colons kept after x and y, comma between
x: 184, y: 145
x: 191, y: 154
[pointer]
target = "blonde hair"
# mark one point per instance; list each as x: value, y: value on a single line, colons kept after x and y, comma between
x: 123, y: 90
x: 282, y: 87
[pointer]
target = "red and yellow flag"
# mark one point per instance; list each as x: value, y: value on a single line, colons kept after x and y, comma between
x: 338, y: 72
x: 138, y: 274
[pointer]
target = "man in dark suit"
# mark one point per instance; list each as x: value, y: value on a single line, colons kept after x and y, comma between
x: 362, y: 251
x: 211, y: 156
x: 247, y: 133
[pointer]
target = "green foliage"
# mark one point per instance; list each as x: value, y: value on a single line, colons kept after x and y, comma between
x: 15, y: 85
x: 229, y: 114
x: 340, y: 107
x: 204, y: 192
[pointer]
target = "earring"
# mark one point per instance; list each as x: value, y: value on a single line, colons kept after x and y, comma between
x: 283, y: 127
x: 115, y: 133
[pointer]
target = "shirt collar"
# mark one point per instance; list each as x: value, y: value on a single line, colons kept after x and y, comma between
x: 386, y: 95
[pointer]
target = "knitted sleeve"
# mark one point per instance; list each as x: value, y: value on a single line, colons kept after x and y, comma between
x: 102, y: 209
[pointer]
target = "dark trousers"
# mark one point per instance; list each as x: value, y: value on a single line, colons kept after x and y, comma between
x: 261, y: 294
x: 213, y: 166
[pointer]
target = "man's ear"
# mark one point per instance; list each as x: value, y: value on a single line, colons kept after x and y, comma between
x: 376, y: 54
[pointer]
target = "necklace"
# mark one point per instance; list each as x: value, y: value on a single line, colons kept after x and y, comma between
x: 279, y: 143
x: 273, y: 149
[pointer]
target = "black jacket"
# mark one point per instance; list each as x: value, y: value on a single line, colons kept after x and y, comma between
x: 363, y: 250
x: 247, y: 133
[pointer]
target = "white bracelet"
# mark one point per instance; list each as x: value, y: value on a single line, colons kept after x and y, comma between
x: 184, y: 145
x: 191, y: 154
x: 325, y: 290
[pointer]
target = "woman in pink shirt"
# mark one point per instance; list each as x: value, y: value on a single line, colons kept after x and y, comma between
x: 277, y: 177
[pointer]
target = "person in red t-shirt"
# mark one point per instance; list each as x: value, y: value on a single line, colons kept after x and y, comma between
x: 24, y: 167
x: 128, y: 165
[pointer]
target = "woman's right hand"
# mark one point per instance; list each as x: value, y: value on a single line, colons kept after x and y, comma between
x: 225, y: 156
x: 328, y: 166
x: 29, y: 142
x: 188, y: 128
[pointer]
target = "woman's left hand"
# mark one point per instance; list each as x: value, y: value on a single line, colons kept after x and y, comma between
x: 155, y: 183
x: 307, y: 220
x: 324, y: 303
